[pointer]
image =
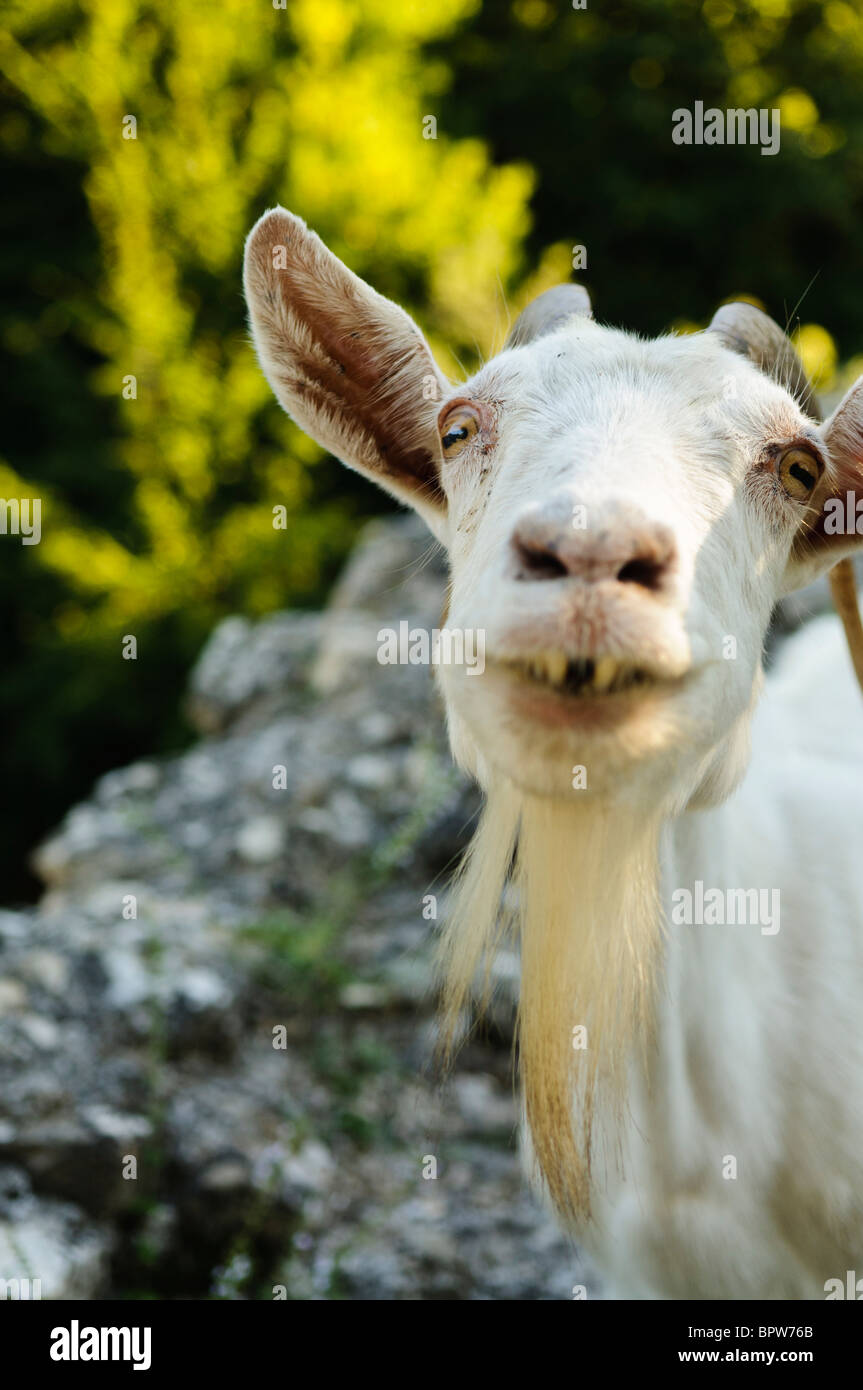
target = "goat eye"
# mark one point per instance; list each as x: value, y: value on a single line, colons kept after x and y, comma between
x: 798, y: 471
x: 456, y: 429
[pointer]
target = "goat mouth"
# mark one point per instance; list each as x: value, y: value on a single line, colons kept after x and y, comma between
x: 581, y: 677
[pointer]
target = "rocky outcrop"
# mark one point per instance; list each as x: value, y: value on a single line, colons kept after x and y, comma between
x: 215, y: 1029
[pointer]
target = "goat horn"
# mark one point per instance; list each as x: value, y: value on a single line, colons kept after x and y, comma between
x: 843, y: 588
x: 746, y: 329
x: 754, y: 334
x: 547, y: 312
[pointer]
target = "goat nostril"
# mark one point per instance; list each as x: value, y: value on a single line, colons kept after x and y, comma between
x: 647, y: 573
x: 540, y: 562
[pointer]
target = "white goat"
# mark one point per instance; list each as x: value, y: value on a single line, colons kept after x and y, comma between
x: 621, y: 517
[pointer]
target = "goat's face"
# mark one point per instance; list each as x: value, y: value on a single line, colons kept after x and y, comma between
x: 620, y: 515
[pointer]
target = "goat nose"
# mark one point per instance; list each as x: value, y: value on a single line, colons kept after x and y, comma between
x: 623, y: 545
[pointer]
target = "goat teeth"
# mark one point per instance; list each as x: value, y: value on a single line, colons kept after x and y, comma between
x: 606, y: 671
x: 556, y: 667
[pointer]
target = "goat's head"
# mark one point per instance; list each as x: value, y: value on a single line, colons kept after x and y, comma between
x: 620, y: 515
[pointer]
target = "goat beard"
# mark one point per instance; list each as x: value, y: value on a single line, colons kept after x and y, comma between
x: 585, y: 880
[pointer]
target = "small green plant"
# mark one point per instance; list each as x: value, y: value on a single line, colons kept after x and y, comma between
x: 297, y: 957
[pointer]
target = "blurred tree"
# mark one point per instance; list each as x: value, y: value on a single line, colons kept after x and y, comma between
x: 587, y: 96
x: 141, y: 141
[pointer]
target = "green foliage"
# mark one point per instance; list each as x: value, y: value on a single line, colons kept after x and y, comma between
x: 124, y: 262
x: 671, y: 230
x: 297, y: 958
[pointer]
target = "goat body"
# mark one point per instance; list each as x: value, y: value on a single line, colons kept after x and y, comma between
x: 620, y: 518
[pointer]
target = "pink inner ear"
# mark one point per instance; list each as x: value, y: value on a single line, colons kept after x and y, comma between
x: 843, y: 433
x: 349, y: 365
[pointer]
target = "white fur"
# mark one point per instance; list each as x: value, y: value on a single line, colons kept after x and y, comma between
x: 759, y: 1045
x: 712, y: 1043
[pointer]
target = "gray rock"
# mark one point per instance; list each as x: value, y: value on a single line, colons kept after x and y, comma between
x: 48, y: 1250
x: 247, y: 663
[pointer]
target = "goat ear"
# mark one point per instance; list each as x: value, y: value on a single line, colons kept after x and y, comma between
x: 835, y: 530
x: 350, y: 367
